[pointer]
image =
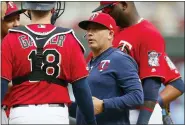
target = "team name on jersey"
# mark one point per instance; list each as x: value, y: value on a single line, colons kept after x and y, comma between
x: 28, y: 42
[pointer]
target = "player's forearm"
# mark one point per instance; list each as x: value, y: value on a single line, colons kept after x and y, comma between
x: 72, y: 109
x: 151, y: 88
x: 174, y: 90
x: 83, y: 98
x: 4, y: 88
x: 145, y: 113
x: 133, y: 97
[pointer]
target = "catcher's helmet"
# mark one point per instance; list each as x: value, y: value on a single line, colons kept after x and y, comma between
x: 45, y: 6
x: 38, y: 5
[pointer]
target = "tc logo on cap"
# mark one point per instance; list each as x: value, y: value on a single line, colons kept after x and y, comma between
x: 11, y: 4
x: 94, y: 16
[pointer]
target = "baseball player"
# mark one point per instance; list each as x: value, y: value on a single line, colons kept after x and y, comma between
x: 40, y: 63
x: 140, y: 39
x: 10, y: 16
x: 113, y: 76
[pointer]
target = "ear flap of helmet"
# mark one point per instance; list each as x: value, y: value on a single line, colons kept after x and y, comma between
x: 58, y: 12
x: 54, y: 17
x: 28, y: 13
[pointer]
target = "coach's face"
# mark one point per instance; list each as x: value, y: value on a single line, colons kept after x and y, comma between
x: 9, y: 22
x: 97, y: 36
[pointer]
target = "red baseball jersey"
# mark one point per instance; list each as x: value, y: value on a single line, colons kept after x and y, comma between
x: 171, y: 71
x: 63, y: 58
x: 146, y: 45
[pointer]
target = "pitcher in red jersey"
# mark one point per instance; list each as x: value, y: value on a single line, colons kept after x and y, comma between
x: 10, y: 17
x: 140, y: 39
x: 39, y: 61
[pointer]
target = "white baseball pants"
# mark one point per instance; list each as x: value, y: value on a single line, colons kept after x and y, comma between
x: 39, y: 114
x: 4, y: 117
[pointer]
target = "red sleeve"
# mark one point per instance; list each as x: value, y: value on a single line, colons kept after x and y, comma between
x: 89, y: 57
x: 151, y: 53
x: 77, y: 61
x: 7, y: 59
x: 171, y: 71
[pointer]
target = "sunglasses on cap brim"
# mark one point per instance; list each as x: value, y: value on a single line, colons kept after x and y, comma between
x: 108, y: 9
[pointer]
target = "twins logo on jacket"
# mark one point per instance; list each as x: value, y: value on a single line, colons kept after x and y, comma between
x: 103, y: 65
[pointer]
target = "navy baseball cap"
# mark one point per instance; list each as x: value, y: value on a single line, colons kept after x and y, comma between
x: 99, y: 18
x: 104, y: 4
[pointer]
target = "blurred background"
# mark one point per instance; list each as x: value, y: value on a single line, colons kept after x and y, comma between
x: 168, y: 17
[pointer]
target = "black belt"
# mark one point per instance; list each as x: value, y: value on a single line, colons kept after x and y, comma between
x: 50, y: 105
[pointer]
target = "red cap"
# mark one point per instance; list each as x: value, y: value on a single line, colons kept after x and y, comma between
x: 107, y: 2
x: 99, y: 18
x: 12, y: 9
x: 104, y: 4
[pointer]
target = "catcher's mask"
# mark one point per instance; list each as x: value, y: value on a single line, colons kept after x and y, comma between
x: 56, y: 6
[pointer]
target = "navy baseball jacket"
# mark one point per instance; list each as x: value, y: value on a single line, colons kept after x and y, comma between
x: 113, y: 78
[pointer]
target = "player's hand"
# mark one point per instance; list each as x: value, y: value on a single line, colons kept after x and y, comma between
x: 98, y: 105
x: 167, y: 120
